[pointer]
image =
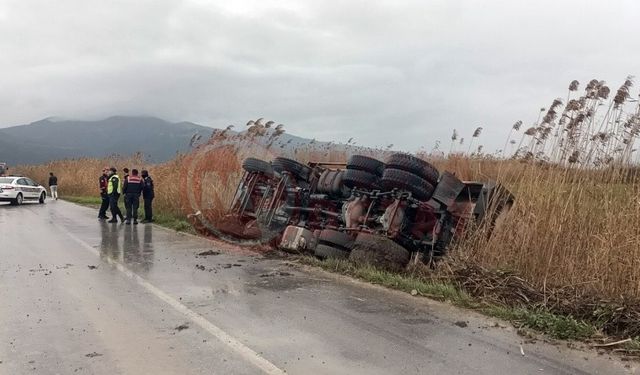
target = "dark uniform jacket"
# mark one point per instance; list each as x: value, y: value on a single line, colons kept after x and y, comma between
x: 148, y: 189
x: 103, y: 181
x: 53, y: 181
x: 133, y: 185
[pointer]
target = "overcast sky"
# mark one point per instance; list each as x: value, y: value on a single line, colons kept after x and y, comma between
x: 401, y: 72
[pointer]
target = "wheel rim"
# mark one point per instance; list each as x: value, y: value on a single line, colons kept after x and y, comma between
x: 19, y: 199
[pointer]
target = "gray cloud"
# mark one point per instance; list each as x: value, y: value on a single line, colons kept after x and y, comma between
x: 406, y: 73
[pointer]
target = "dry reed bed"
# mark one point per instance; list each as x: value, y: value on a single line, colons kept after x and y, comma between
x: 576, y: 221
x: 568, y: 227
x: 79, y: 177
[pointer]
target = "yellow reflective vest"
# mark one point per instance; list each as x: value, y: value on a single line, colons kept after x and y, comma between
x: 114, y: 181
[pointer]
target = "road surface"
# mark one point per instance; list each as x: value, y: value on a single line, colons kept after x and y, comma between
x: 82, y: 297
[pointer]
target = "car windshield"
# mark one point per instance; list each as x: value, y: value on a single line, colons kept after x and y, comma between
x: 6, y: 180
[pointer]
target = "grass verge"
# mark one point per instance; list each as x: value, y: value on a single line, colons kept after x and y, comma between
x: 167, y: 220
x: 541, y: 320
x: 441, y: 291
x: 537, y: 319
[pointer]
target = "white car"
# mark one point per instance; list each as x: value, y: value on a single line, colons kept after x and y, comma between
x: 18, y: 190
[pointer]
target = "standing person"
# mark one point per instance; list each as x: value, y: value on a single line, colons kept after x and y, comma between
x: 113, y: 190
x: 148, y: 194
x: 132, y: 190
x: 126, y: 174
x: 53, y: 186
x: 103, y: 182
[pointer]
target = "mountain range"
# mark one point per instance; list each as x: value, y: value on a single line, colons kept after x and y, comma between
x: 51, y: 139
x: 156, y: 139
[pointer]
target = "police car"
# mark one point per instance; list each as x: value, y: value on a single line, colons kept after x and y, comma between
x: 18, y: 190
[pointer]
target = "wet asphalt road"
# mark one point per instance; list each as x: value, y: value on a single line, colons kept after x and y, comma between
x: 82, y: 297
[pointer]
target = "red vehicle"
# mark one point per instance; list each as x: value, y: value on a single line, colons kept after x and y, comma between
x: 364, y: 209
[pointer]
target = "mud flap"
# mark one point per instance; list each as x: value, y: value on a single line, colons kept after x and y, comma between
x: 448, y: 189
x: 297, y: 240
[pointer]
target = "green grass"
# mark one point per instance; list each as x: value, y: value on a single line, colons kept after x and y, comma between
x: 172, y: 221
x: 410, y: 284
x: 633, y: 345
x: 165, y: 219
x: 85, y: 201
x: 539, y: 320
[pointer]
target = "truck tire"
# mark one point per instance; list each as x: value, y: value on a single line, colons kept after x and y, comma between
x: 326, y: 251
x: 298, y: 170
x: 330, y: 182
x: 367, y: 164
x: 324, y: 181
x: 253, y: 165
x: 419, y: 188
x: 417, y: 166
x: 338, y: 188
x: 336, y: 239
x: 380, y: 252
x: 354, y: 178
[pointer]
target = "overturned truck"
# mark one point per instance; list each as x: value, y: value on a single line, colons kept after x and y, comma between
x: 381, y: 213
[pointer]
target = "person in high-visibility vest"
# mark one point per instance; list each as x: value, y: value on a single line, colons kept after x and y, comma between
x: 113, y: 190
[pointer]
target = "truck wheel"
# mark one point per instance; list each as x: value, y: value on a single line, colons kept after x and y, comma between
x: 353, y: 178
x: 336, y: 238
x: 253, y: 165
x: 43, y: 196
x: 338, y: 188
x: 298, y: 170
x: 365, y: 163
x: 419, y: 188
x: 330, y: 182
x: 326, y: 251
x: 379, y: 251
x: 412, y: 164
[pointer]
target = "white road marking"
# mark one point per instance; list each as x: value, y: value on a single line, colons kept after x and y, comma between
x: 245, y: 352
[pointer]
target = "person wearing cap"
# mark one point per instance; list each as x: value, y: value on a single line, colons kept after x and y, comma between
x: 132, y: 189
x: 103, y: 181
x: 148, y: 194
x: 113, y: 190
